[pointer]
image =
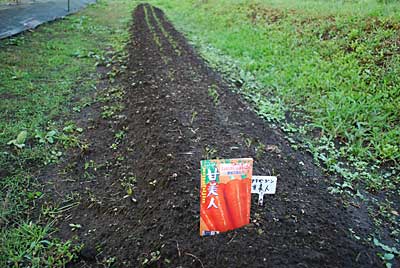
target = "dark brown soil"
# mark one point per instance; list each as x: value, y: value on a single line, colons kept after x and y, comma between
x: 170, y: 123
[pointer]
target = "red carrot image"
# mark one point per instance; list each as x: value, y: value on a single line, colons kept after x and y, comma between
x: 207, y: 220
x: 246, y: 187
x: 237, y: 196
x: 214, y: 211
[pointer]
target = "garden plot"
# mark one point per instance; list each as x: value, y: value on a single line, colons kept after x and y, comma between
x: 138, y: 186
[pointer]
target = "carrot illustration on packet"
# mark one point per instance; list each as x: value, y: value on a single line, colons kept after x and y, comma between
x: 237, y: 197
x: 246, y: 186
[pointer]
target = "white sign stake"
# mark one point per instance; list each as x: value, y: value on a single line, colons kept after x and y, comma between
x: 262, y: 185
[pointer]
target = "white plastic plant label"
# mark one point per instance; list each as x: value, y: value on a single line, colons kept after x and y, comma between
x: 262, y: 185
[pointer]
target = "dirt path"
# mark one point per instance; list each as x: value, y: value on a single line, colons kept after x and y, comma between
x: 170, y: 123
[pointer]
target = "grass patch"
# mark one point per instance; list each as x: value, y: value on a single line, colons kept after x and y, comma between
x: 213, y: 94
x: 29, y: 245
x: 41, y: 74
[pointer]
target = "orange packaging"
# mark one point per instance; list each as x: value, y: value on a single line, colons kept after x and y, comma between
x: 225, y: 194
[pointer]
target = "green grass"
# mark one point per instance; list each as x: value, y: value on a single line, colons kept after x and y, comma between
x: 40, y: 74
x: 351, y: 8
x: 28, y: 245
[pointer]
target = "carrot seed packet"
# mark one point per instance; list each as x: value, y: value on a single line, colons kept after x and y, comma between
x: 225, y: 194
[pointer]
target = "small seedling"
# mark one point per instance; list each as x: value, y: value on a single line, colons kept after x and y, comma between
x: 109, y: 261
x: 52, y: 157
x: 194, y: 114
x: 46, y: 137
x: 389, y: 252
x: 260, y: 149
x: 248, y: 142
x: 209, y: 152
x: 34, y: 195
x: 90, y: 164
x: 128, y: 183
x: 154, y: 256
x: 213, y: 93
x: 75, y: 227
x: 71, y: 128
x: 109, y: 111
x: 85, y: 102
x: 120, y: 135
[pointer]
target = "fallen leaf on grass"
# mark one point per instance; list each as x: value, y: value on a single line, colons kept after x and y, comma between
x: 20, y: 140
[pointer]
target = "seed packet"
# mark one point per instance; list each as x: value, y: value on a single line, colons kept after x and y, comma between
x: 225, y: 194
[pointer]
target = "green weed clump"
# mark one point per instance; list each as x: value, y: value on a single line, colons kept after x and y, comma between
x: 30, y: 245
x: 41, y: 73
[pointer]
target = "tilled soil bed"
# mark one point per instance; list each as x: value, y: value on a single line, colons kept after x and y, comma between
x: 141, y: 204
